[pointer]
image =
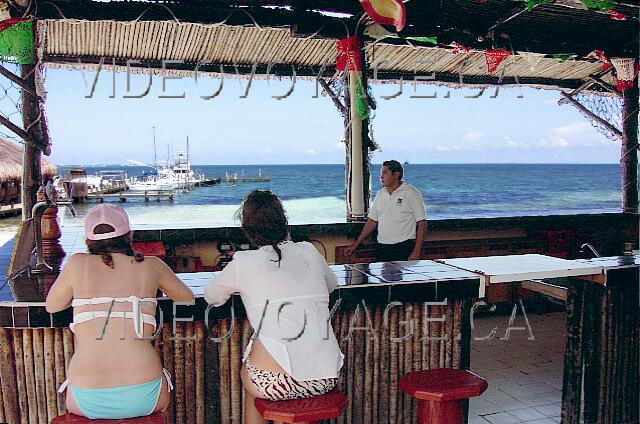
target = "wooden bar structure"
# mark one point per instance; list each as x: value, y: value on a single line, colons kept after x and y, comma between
x: 601, y: 381
x: 201, y: 383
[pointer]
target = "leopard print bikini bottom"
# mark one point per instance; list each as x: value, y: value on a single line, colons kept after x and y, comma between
x: 280, y: 386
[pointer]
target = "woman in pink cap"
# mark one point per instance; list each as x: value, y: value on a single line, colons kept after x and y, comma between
x: 115, y: 372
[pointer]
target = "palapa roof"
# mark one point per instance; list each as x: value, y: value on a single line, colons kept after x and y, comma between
x: 249, y: 36
x: 11, y: 162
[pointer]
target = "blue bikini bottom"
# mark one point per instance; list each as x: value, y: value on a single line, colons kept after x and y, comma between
x: 135, y: 400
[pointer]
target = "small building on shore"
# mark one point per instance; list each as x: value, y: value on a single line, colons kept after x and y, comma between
x: 11, y: 174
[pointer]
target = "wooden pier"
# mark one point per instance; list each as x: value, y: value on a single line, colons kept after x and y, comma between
x: 124, y: 196
x: 10, y: 210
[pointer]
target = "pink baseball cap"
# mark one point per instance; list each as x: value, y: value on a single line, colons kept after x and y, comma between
x: 106, y: 214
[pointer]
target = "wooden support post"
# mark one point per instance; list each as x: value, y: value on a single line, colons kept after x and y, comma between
x: 629, y: 155
x: 357, y: 138
x: 31, y: 169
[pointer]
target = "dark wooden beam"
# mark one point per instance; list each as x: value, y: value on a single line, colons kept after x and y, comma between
x: 16, y: 130
x: 32, y: 153
x: 592, y: 115
x: 629, y: 151
x: 583, y: 86
x: 333, y: 97
x: 14, y: 78
x: 610, y: 88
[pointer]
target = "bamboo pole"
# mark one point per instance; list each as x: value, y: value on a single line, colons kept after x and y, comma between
x: 246, y: 336
x: 434, y: 345
x: 448, y: 330
x: 20, y: 379
x: 168, y: 364
x: 30, y: 379
x: 358, y: 352
x: 225, y: 374
x: 200, y: 334
x: 385, y: 369
x: 344, y: 347
x: 38, y: 362
x: 457, y: 334
x: 367, y: 365
x: 8, y: 378
x: 338, y: 331
x: 235, y: 359
x: 376, y: 388
x: 393, y: 366
x: 189, y: 374
x: 212, y: 380
x: 178, y: 376
x: 407, y: 359
x: 350, y: 369
x: 68, y: 346
x: 572, y: 379
x: 61, y: 371
x: 50, y: 373
x: 417, y: 349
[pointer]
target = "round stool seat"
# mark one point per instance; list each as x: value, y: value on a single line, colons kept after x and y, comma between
x: 70, y: 418
x: 442, y: 384
x: 312, y: 409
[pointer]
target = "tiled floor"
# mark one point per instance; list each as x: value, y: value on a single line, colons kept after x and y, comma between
x: 525, y: 376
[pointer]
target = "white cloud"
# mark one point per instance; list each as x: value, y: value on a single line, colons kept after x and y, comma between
x: 266, y: 151
x: 513, y: 144
x: 473, y: 136
x: 574, y: 130
x: 340, y: 145
x: 309, y: 151
x: 555, y: 142
x: 451, y: 148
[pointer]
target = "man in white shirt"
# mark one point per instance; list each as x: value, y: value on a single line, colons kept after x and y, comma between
x: 398, y: 213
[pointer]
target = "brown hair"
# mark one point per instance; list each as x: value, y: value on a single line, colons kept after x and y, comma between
x: 264, y: 221
x: 104, y: 248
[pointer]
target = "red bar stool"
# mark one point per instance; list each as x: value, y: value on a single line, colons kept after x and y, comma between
x: 311, y: 410
x: 70, y: 418
x: 441, y: 392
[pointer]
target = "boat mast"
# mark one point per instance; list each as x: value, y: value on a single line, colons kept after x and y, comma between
x: 155, y: 154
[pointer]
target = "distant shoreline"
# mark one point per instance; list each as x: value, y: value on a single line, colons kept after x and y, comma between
x: 101, y: 165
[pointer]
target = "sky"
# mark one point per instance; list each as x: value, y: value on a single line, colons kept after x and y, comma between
x: 519, y: 125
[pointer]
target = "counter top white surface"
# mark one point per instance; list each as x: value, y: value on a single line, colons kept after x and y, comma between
x: 503, y: 269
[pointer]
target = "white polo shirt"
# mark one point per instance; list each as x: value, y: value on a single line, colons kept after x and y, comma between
x: 397, y: 213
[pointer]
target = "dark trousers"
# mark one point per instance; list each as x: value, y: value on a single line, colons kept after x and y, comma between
x: 395, y: 252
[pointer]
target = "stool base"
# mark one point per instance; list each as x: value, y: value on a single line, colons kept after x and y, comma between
x: 435, y: 412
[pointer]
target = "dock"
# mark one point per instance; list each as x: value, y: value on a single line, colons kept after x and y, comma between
x: 10, y: 210
x: 123, y: 196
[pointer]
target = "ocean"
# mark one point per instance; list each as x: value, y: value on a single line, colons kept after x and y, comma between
x: 315, y: 193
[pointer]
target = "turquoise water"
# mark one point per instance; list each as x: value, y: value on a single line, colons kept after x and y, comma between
x: 315, y: 193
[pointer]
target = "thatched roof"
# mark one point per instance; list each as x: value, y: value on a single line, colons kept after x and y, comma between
x: 249, y: 38
x: 11, y: 162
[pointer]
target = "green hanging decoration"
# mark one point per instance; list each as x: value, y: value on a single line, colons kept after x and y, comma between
x: 533, y: 3
x: 16, y: 43
x: 601, y: 5
x: 563, y: 57
x: 430, y: 40
x: 362, y: 107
